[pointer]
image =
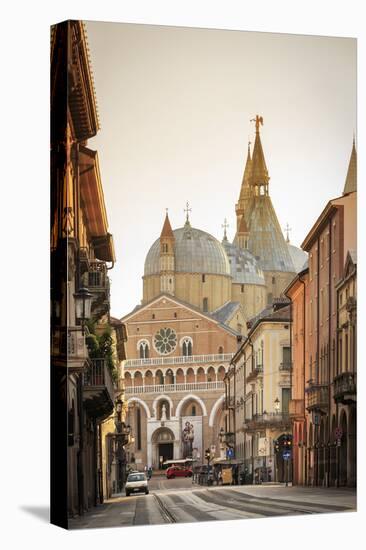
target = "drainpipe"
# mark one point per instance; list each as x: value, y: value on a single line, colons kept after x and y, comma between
x: 330, y: 295
x: 292, y: 455
x: 304, y: 382
x: 252, y: 362
x: 317, y: 355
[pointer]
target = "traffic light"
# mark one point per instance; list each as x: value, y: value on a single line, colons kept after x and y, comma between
x: 207, y: 454
x: 276, y: 445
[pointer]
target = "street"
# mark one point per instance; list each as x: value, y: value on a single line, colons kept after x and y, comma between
x: 178, y: 501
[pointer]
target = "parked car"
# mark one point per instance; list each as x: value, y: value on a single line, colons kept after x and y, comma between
x: 178, y: 471
x: 136, y: 483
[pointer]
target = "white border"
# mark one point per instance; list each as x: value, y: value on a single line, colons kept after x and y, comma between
x: 25, y: 176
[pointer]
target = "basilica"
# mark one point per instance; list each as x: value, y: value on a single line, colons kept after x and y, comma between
x: 198, y: 296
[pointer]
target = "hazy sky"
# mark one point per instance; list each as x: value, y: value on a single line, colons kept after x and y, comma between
x: 175, y: 106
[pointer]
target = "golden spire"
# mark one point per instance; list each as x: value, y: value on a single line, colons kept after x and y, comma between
x: 244, y: 190
x: 259, y: 172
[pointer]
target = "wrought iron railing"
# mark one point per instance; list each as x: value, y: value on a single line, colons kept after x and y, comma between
x: 69, y: 342
x: 97, y: 374
x: 286, y: 366
x: 345, y: 383
x: 317, y: 396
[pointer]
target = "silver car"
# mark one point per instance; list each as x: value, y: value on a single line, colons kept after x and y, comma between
x: 136, y: 483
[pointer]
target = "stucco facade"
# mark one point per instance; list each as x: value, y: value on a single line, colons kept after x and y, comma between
x: 187, y: 382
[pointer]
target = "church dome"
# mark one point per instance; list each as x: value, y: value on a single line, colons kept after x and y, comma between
x: 298, y: 257
x: 195, y: 251
x: 243, y: 265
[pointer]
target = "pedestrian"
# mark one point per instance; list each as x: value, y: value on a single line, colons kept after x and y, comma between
x: 149, y: 471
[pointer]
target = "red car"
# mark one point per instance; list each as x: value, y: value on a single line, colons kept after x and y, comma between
x: 178, y: 471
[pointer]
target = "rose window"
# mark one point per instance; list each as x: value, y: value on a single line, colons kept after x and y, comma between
x: 165, y: 340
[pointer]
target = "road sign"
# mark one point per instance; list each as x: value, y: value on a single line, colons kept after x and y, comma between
x: 230, y: 453
x: 286, y: 455
x: 338, y: 433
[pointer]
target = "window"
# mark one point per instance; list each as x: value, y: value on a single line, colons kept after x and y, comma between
x: 144, y: 349
x: 175, y: 315
x: 205, y: 305
x: 242, y: 288
x: 286, y: 356
x: 203, y: 278
x: 153, y: 315
x: 165, y: 248
x: 221, y: 350
x: 285, y: 399
x: 193, y: 410
x: 273, y: 280
x: 187, y: 347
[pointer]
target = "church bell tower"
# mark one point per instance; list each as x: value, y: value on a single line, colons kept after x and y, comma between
x: 167, y: 258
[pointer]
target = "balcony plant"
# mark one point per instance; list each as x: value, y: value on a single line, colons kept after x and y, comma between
x: 100, y: 345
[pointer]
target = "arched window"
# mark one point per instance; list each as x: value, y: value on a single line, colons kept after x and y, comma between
x: 193, y: 412
x: 187, y: 347
x: 221, y: 350
x: 144, y: 349
x: 205, y: 305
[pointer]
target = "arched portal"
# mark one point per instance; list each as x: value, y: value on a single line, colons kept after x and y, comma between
x: 162, y: 446
x: 343, y: 450
x: 352, y: 457
x: 333, y: 451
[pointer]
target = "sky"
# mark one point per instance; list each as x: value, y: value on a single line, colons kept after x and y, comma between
x: 175, y: 106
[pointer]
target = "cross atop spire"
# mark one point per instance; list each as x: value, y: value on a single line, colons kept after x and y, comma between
x: 187, y: 210
x: 225, y: 225
x: 287, y: 229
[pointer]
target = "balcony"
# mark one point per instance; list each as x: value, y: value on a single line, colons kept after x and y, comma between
x: 98, y: 389
x: 68, y: 348
x: 268, y: 420
x: 258, y: 370
x: 297, y: 409
x: 345, y: 388
x: 98, y: 285
x: 84, y: 262
x: 181, y: 360
x: 317, y: 397
x: 175, y: 388
x: 286, y: 366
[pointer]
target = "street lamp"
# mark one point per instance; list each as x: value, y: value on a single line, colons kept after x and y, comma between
x: 277, y: 405
x: 83, y: 299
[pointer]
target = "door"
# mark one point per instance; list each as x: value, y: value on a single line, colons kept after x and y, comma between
x: 166, y: 451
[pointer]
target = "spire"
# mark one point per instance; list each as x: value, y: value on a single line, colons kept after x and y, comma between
x: 167, y: 228
x: 259, y: 172
x: 287, y: 229
x: 225, y: 225
x: 351, y: 180
x: 244, y: 191
x: 187, y: 210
